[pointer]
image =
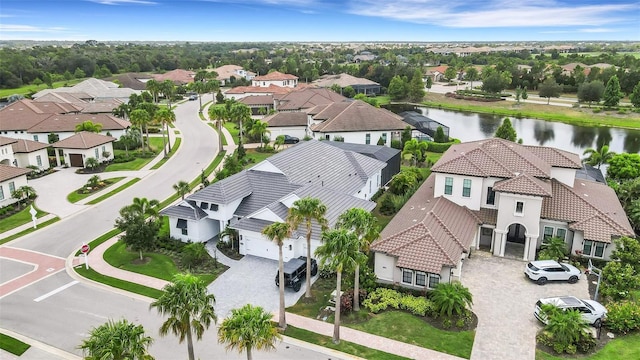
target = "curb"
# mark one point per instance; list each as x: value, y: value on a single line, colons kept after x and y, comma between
x: 41, y: 346
x: 320, y: 349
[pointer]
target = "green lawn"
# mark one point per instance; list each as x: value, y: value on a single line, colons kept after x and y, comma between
x: 19, y: 218
x: 117, y: 283
x: 233, y: 130
x: 625, y: 347
x: 138, y: 163
x: 344, y: 346
x: 74, y: 196
x: 29, y: 230
x: 113, y: 192
x: 174, y: 148
x: 27, y: 89
x: 320, y: 292
x: 256, y: 157
x: 12, y: 345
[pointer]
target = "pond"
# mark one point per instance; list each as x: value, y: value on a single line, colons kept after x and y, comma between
x: 573, y: 138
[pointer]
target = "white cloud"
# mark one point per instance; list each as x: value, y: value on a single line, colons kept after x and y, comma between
x: 120, y: 2
x: 501, y: 13
x: 29, y: 28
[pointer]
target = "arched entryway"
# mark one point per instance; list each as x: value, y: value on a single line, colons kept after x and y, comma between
x: 516, y: 240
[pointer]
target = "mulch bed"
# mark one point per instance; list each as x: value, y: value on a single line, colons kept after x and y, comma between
x: 472, y: 324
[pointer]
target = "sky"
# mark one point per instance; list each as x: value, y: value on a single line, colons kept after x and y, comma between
x: 320, y: 20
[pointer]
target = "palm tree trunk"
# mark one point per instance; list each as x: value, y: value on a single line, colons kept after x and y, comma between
x: 190, y: 344
x: 164, y: 144
x: 336, y: 322
x: 282, y: 322
x: 249, y: 355
x: 220, y: 135
x: 307, y: 293
x: 356, y: 289
x: 141, y: 255
x: 148, y: 145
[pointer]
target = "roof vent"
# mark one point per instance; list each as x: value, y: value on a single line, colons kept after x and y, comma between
x: 586, y: 195
x: 415, y: 220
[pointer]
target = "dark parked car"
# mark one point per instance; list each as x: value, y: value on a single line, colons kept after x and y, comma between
x: 291, y: 139
x: 193, y: 97
x: 295, y: 272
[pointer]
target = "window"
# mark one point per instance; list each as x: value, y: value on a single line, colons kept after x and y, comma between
x: 491, y: 196
x: 35, y: 137
x: 12, y: 187
x: 104, y: 148
x: 407, y: 276
x: 97, y: 154
x: 548, y: 232
x: 519, y: 207
x: 39, y: 160
x: 214, y: 207
x: 384, y: 137
x: 367, y: 139
x: 421, y: 279
x: 327, y: 137
x: 185, y: 231
x: 599, y: 249
x: 448, y: 185
x: 466, y: 188
x: 204, y: 205
x: 1, y: 193
x: 586, y: 247
x: 434, y: 280
x: 561, y: 233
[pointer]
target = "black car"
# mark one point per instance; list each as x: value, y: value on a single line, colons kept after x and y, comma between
x: 193, y: 97
x: 295, y: 272
x: 291, y: 139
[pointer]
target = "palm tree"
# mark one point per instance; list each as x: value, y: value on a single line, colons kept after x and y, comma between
x: 181, y: 187
x: 416, y: 149
x: 278, y: 232
x: 599, y: 156
x: 129, y: 139
x: 165, y: 116
x: 153, y: 86
x: 24, y: 193
x: 189, y: 309
x: 122, y: 111
x: 91, y: 163
x: 451, y: 298
x: 304, y: 211
x: 259, y: 128
x: 140, y: 118
x: 566, y: 327
x: 89, y: 127
x: 248, y: 328
x: 553, y: 248
x: 167, y: 88
x: 239, y: 112
x: 117, y: 340
x: 145, y: 207
x: 339, y: 251
x: 365, y: 226
x: 218, y: 113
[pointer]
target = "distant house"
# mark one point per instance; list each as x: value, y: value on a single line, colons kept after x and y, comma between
x: 259, y: 104
x: 437, y: 73
x: 254, y: 198
x: 293, y: 123
x: 360, y: 85
x: 228, y: 74
x: 364, y: 56
x: 275, y: 78
x: 104, y: 106
x: 497, y: 196
x: 99, y: 90
x: 240, y: 92
x: 11, y: 178
x: 177, y: 76
x: 306, y: 98
x: 77, y: 148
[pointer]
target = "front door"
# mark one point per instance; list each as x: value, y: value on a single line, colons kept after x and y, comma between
x: 516, y: 234
x: 76, y: 160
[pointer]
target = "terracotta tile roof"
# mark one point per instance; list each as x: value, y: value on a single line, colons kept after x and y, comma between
x: 257, y: 100
x: 274, y: 76
x: 59, y: 123
x: 7, y: 140
x: 271, y: 89
x: 289, y: 118
x: 11, y: 172
x: 356, y: 116
x: 306, y: 98
x: 27, y: 146
x: 49, y: 107
x: 524, y: 184
x: 343, y: 80
x: 20, y: 115
x: 83, y: 140
x: 487, y: 216
x: 556, y: 157
x: 227, y: 71
x: 178, y: 76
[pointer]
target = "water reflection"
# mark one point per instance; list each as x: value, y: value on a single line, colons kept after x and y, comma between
x: 489, y: 124
x: 543, y: 132
x: 604, y: 136
x: 632, y: 141
x: 583, y: 137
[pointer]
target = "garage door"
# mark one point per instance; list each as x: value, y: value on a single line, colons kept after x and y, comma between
x: 261, y: 248
x: 76, y: 160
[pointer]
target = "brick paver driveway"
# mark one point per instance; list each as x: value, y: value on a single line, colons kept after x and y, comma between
x: 504, y: 300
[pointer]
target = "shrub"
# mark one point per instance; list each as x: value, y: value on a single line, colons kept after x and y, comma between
x: 460, y: 323
x: 417, y: 305
x: 623, y: 317
x: 617, y: 280
x: 381, y: 298
x: 437, y: 147
x: 346, y: 303
x: 194, y: 254
x: 396, y: 144
x: 446, y: 323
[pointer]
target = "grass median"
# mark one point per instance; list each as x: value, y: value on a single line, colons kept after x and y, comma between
x: 12, y: 345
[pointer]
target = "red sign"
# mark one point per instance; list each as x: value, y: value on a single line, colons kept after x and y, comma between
x: 85, y: 248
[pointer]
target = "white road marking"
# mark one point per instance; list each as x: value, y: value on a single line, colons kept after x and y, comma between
x: 50, y: 293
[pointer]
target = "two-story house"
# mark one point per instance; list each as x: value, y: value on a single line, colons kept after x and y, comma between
x: 502, y: 197
x: 275, y: 78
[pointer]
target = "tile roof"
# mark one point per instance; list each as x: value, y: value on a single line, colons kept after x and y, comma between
x: 83, y: 140
x: 7, y: 140
x: 59, y: 123
x: 20, y: 115
x: 290, y: 118
x: 356, y: 115
x: 556, y: 157
x: 271, y: 89
x: 257, y: 100
x: 27, y: 146
x: 96, y: 88
x: 274, y: 76
x: 382, y: 153
x: 225, y: 191
x: 343, y: 80
x: 306, y: 98
x: 227, y: 71
x: 524, y: 184
x: 178, y: 76
x: 8, y: 172
x: 266, y: 188
x: 185, y: 210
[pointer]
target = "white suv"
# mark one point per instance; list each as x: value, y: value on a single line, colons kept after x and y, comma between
x: 592, y: 311
x: 545, y: 270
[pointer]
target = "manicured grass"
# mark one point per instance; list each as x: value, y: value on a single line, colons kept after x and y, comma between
x: 563, y: 114
x: 12, y: 345
x: 256, y: 157
x: 233, y: 130
x: 625, y: 347
x: 320, y: 293
x: 29, y: 230
x: 102, y: 238
x: 113, y: 192
x: 224, y: 139
x: 174, y: 148
x: 138, y: 163
x: 19, y: 218
x: 27, y: 89
x: 74, y: 196
x: 344, y: 346
x: 117, y: 283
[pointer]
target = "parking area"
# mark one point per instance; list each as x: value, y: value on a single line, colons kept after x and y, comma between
x: 504, y: 301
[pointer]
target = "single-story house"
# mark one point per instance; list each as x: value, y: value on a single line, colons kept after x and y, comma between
x: 254, y: 198
x: 259, y: 104
x: 227, y: 74
x: 306, y: 98
x: 11, y: 178
x: 392, y: 157
x: 31, y: 153
x: 287, y: 123
x: 240, y: 92
x: 360, y: 85
x: 177, y: 76
x: 76, y: 149
x: 99, y: 90
x: 502, y: 197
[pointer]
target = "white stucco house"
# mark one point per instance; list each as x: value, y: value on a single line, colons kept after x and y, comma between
x: 30, y: 153
x: 275, y: 78
x: 254, y: 198
x: 502, y: 197
x: 78, y: 148
x: 11, y: 178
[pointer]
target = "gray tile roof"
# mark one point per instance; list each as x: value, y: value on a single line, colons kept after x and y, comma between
x: 250, y: 224
x: 307, y: 98
x: 293, y: 118
x: 382, y: 153
x: 185, y: 210
x: 266, y: 188
x: 225, y: 191
x: 342, y: 80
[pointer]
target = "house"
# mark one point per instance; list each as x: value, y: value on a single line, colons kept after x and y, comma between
x: 99, y: 90
x: 360, y: 85
x: 6, y: 151
x: 11, y: 178
x: 177, y: 76
x: 364, y: 56
x: 254, y: 198
x: 240, y: 92
x: 306, y: 98
x: 275, y: 78
x: 104, y: 106
x: 259, y: 104
x: 355, y: 122
x: 287, y: 123
x: 30, y: 153
x: 76, y: 149
x: 437, y: 73
x: 228, y: 74
x: 502, y: 197
x: 392, y: 157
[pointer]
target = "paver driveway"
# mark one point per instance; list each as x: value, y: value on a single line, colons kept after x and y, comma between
x: 504, y: 300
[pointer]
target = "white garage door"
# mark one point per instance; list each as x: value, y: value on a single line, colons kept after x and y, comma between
x: 261, y: 248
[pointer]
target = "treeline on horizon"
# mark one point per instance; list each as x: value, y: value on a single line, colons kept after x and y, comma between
x: 47, y: 64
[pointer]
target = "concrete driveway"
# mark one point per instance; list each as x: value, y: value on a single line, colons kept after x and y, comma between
x: 504, y: 300
x: 250, y: 280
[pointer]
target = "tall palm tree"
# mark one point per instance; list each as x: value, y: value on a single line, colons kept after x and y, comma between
x: 189, y: 309
x: 304, y: 211
x: 416, y: 149
x: 88, y: 126
x: 153, y: 86
x: 220, y: 115
x: 140, y: 118
x: 167, y: 88
x: 597, y: 157
x: 451, y: 298
x: 259, y: 128
x: 339, y: 251
x: 248, y: 328
x: 145, y: 207
x: 181, y: 187
x: 117, y: 340
x: 165, y: 116
x: 240, y: 112
x: 278, y: 232
x: 365, y: 226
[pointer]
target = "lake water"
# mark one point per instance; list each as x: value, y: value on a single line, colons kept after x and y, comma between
x: 576, y: 139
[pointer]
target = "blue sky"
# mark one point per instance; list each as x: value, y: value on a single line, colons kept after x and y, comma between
x: 320, y: 20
